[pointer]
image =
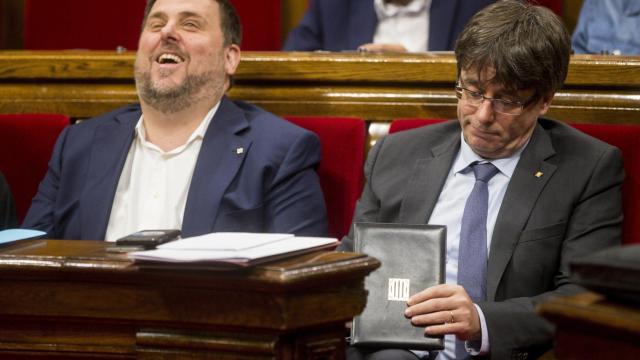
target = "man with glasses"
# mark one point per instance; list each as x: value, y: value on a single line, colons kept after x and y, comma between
x: 521, y: 195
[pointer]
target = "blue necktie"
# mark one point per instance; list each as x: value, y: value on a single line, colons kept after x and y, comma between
x: 472, y: 253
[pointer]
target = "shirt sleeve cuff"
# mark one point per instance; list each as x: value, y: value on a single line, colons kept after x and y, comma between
x: 480, y: 347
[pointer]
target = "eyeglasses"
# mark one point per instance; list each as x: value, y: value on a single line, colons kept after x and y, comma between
x: 502, y: 106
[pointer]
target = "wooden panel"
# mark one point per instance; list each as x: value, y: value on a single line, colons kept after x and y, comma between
x: 377, y: 87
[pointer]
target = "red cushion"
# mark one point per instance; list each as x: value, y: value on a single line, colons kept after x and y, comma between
x: 261, y: 24
x: 105, y: 25
x: 406, y: 124
x: 554, y: 5
x: 624, y: 137
x: 82, y: 24
x: 340, y: 170
x: 26, y: 143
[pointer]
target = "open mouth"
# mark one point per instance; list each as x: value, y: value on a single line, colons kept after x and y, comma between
x: 169, y: 58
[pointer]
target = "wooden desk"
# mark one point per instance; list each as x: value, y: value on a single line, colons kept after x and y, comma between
x: 590, y: 327
x: 73, y: 299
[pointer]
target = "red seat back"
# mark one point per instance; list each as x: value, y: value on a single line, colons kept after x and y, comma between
x: 105, y: 25
x: 406, y: 124
x: 340, y: 170
x: 26, y: 143
x: 627, y: 139
x: 624, y: 137
x: 554, y: 5
x: 261, y: 24
x: 82, y: 24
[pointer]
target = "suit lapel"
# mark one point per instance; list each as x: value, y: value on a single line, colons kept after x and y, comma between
x: 441, y: 14
x: 427, y: 180
x: 362, y: 23
x: 522, y: 192
x: 218, y: 162
x: 109, y: 151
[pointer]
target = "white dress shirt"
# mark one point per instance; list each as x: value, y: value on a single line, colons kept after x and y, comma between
x: 403, y: 24
x: 154, y: 184
x: 449, y: 209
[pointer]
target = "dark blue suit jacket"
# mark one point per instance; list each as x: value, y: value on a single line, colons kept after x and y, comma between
x: 271, y: 187
x: 337, y: 25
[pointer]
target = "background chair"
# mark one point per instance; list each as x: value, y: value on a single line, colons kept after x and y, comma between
x: 26, y: 143
x: 406, y: 124
x: 341, y: 167
x: 105, y: 25
x: 624, y: 137
x: 627, y: 139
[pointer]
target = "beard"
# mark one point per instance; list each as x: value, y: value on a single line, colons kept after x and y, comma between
x: 173, y: 99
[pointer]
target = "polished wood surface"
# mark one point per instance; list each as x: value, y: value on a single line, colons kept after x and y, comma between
x: 376, y: 87
x: 74, y: 299
x: 588, y: 326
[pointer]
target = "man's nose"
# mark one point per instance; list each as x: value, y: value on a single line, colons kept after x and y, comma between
x: 169, y: 32
x: 485, y: 112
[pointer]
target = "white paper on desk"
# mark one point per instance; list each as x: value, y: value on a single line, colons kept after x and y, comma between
x: 225, y: 241
x: 288, y: 245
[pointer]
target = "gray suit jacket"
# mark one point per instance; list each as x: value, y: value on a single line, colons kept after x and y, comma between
x: 544, y: 222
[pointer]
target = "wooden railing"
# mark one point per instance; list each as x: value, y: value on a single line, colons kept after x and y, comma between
x: 376, y: 87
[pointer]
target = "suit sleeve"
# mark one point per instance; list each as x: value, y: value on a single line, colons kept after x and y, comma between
x: 41, y: 213
x: 368, y: 205
x: 594, y: 223
x: 307, y: 36
x: 295, y: 203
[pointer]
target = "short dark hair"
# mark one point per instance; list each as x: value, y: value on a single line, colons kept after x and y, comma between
x: 527, y: 45
x: 229, y: 21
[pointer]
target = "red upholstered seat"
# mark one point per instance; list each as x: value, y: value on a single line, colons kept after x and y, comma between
x: 105, y: 25
x: 340, y: 170
x: 82, y: 24
x: 624, y: 137
x: 627, y: 139
x: 26, y: 143
x: 406, y: 124
x: 554, y: 5
x: 261, y: 24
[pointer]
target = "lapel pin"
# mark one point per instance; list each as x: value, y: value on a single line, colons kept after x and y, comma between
x: 239, y: 151
x: 538, y: 174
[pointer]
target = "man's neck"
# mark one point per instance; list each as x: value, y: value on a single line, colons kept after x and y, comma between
x: 171, y: 130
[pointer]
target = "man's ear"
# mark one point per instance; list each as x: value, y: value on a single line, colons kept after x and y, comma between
x: 231, y: 59
x: 546, y: 104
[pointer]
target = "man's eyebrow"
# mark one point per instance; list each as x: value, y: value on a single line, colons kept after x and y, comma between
x: 157, y: 15
x: 469, y: 81
x: 191, y: 14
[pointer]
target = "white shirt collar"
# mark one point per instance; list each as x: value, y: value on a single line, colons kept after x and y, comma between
x: 384, y: 10
x: 198, y: 133
x: 467, y: 156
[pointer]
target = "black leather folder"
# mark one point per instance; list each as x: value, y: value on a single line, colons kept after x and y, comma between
x: 413, y: 259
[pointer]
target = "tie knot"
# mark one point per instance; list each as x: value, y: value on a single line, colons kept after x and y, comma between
x: 484, y: 172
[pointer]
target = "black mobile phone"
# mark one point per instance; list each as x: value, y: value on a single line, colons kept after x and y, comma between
x: 148, y: 239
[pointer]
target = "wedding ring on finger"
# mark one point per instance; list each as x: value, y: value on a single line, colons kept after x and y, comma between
x: 452, y: 318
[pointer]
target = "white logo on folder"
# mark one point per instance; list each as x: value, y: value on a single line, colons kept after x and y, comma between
x: 398, y: 289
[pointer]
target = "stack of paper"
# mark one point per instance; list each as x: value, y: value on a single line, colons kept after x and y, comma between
x: 239, y: 249
x: 11, y: 235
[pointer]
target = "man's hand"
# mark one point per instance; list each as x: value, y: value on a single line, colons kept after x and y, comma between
x: 445, y: 309
x: 382, y: 48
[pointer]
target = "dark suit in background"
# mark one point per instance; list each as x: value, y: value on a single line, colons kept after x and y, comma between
x: 268, y: 186
x: 572, y: 209
x: 8, y: 217
x: 337, y: 25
